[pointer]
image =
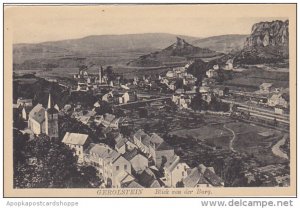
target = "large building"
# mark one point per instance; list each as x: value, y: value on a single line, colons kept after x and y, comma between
x: 41, y: 120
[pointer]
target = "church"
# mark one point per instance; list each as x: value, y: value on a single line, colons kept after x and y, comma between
x: 41, y: 120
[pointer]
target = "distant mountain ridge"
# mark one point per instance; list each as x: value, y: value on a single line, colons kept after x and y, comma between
x: 222, y: 43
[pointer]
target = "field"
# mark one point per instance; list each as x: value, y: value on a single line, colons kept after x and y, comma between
x: 253, y: 76
x: 256, y: 141
x: 252, y: 140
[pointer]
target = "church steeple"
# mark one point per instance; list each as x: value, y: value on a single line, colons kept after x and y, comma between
x: 50, y: 102
x: 51, y: 119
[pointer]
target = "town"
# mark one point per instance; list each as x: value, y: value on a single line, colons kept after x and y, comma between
x: 138, y: 159
x: 184, y: 115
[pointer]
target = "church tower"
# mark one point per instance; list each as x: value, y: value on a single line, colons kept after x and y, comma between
x: 51, y: 119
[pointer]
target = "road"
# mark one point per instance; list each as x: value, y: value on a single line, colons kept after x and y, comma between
x: 276, y: 148
x: 233, y: 138
x: 145, y: 101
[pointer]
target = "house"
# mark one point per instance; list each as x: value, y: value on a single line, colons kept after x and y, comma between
x: 160, y: 151
x: 141, y: 140
x: 172, y: 85
x: 120, y: 145
x: 179, y: 91
x: 221, y: 91
x: 211, y: 73
x: 208, y: 81
x: 24, y: 102
x: 36, y: 119
x: 170, y: 74
x: 229, y: 64
x: 174, y: 171
x: 131, y: 184
x: 123, y: 178
x: 202, y: 176
x: 108, y: 97
x: 97, y: 104
x: 279, y: 99
x: 182, y: 101
x: 82, y: 87
x: 265, y: 87
x: 216, y: 67
x: 95, y: 154
x: 148, y: 179
x: 139, y: 163
x: 78, y: 142
x: 204, y: 89
x: 114, y: 164
x: 111, y: 121
x: 123, y: 98
x: 25, y: 111
x: 280, y: 110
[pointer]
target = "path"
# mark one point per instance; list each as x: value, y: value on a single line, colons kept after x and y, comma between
x: 233, y: 138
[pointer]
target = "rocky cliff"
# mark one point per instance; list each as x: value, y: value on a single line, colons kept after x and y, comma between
x: 267, y: 43
x: 275, y: 33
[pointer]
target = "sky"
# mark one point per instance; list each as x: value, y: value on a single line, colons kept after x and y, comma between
x: 33, y: 24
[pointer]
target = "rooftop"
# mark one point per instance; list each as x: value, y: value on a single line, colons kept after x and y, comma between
x: 75, y: 138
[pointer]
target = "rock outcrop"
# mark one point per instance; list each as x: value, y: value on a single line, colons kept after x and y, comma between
x: 267, y: 43
x: 275, y: 33
x: 178, y: 52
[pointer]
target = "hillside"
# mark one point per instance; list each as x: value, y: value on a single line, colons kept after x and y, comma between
x: 222, y: 43
x: 268, y: 42
x: 178, y: 52
x: 100, y: 45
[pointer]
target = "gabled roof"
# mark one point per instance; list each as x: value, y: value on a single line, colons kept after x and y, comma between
x: 113, y: 156
x: 163, y: 146
x: 146, y: 178
x: 38, y: 113
x: 125, y: 177
x: 130, y: 154
x: 120, y: 141
x: 155, y: 139
x: 172, y: 163
x: 202, y: 175
x: 102, y: 150
x: 266, y: 84
x: 138, y: 161
x: 131, y: 184
x: 213, y: 178
x: 139, y: 133
x: 194, y: 177
x: 75, y: 138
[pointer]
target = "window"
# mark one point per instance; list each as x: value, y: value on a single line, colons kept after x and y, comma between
x: 125, y: 167
x: 117, y: 168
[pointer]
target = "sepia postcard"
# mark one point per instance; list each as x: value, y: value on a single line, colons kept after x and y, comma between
x: 149, y: 100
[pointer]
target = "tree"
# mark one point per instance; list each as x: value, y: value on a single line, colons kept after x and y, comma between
x: 50, y: 164
x: 197, y: 102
